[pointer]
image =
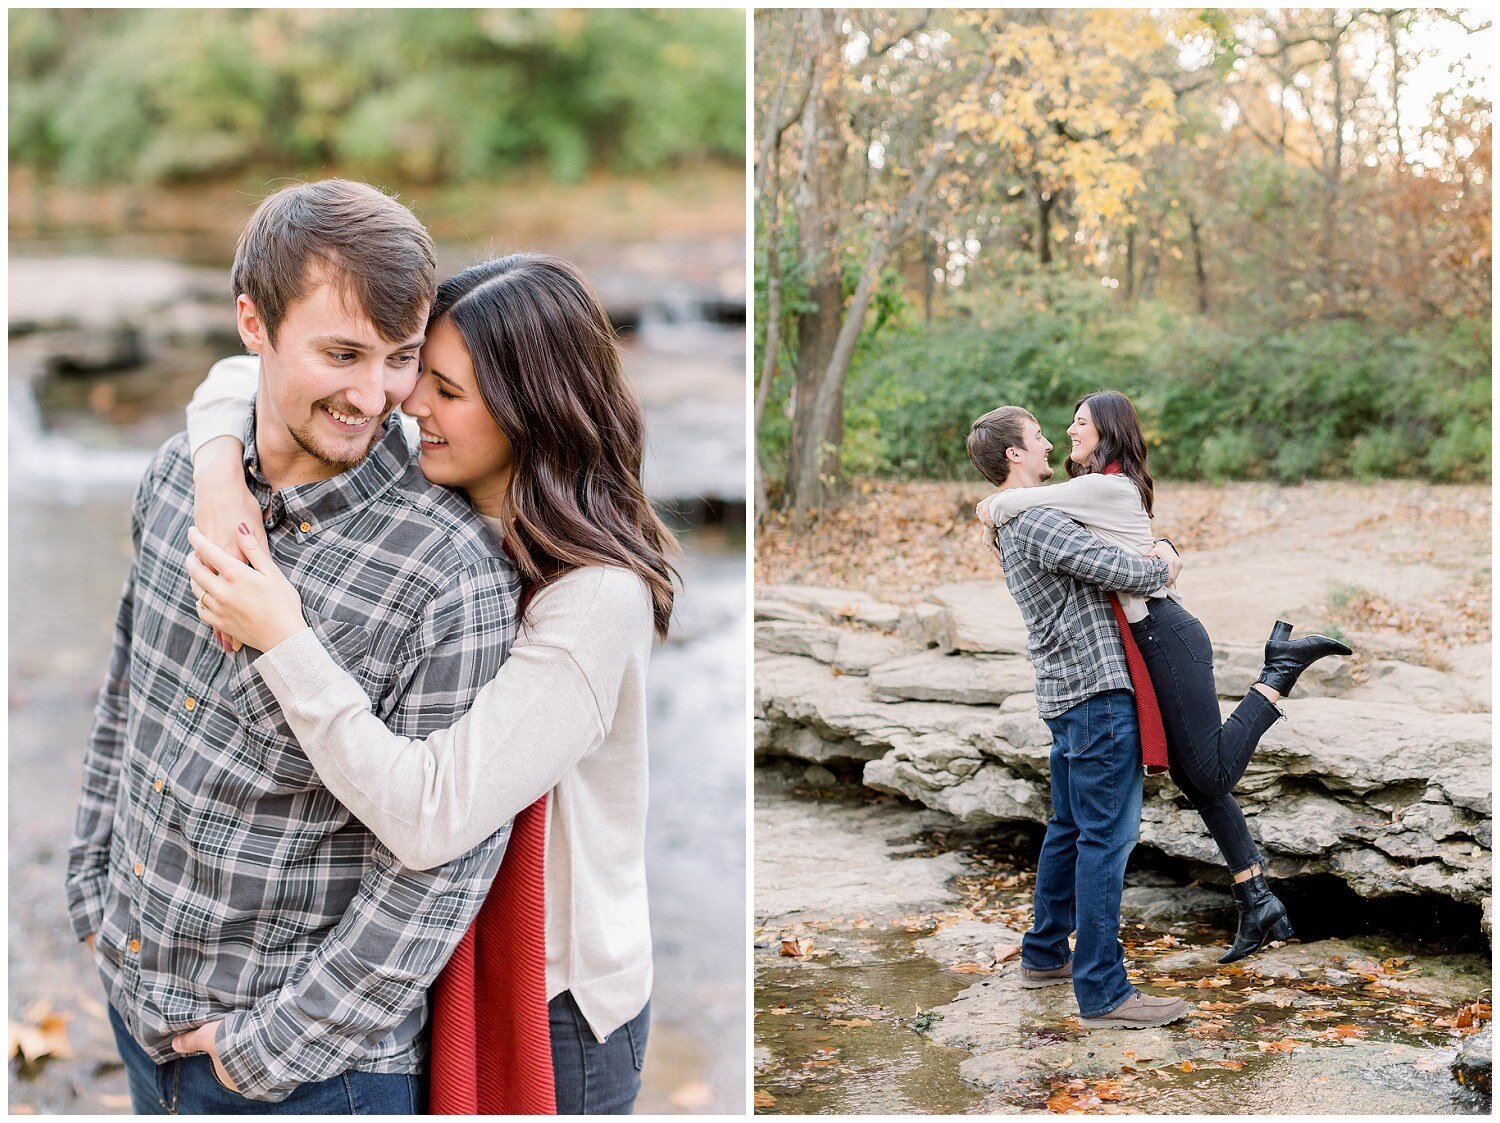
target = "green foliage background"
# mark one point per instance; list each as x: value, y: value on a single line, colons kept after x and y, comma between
x: 1218, y: 400
x: 151, y: 96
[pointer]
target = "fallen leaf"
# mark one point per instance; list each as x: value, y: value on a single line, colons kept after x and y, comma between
x: 1286, y: 1045
x: 1232, y: 1066
x: 1186, y: 1066
x: 764, y: 1099
x: 796, y: 947
x: 972, y: 968
x: 1342, y: 1032
x: 859, y: 1022
x: 43, y: 1032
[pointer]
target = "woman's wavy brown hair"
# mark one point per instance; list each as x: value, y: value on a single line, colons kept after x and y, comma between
x: 548, y: 368
x: 1120, y: 441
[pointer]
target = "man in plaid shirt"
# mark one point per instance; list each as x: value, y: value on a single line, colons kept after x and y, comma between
x: 1061, y: 577
x: 216, y: 880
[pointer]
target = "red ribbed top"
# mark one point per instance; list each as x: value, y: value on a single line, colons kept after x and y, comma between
x: 1147, y: 711
x: 491, y: 1037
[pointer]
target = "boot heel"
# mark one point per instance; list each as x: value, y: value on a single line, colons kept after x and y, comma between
x: 1281, y: 632
x: 1281, y: 931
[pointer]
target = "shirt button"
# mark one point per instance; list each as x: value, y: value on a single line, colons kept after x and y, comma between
x: 135, y: 947
x: 306, y: 527
x: 160, y: 783
x: 190, y: 704
x: 139, y: 869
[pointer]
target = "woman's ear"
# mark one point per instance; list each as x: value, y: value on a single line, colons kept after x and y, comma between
x: 252, y: 328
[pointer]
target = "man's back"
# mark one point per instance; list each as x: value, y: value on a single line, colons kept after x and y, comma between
x: 218, y: 873
x: 1061, y: 577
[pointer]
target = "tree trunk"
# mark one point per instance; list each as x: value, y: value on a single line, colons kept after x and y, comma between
x: 929, y: 282
x: 1198, y: 268
x: 1130, y: 264
x: 1045, y: 201
x: 808, y: 486
x: 1333, y: 175
x: 816, y: 437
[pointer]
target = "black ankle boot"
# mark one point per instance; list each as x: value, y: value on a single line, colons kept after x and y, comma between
x: 1262, y: 918
x: 1287, y: 658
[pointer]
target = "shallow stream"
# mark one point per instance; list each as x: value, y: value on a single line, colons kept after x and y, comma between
x: 918, y: 1011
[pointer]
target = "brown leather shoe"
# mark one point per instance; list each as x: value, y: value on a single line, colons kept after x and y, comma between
x: 1032, y: 977
x: 1139, y: 1011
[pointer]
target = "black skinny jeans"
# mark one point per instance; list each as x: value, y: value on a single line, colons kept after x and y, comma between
x: 1206, y: 758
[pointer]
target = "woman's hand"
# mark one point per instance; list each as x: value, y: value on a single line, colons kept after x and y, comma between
x: 254, y: 604
x: 203, y: 1040
x: 221, y: 502
x: 982, y: 512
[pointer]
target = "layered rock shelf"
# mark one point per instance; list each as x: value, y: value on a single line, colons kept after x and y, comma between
x: 1381, y: 779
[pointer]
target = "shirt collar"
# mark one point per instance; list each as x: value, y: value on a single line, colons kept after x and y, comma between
x: 311, y: 507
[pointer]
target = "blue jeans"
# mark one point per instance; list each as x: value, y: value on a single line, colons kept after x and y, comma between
x: 189, y: 1086
x: 1096, y: 819
x: 595, y: 1077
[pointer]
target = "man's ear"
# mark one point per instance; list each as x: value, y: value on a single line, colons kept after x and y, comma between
x: 252, y: 327
x: 1013, y: 453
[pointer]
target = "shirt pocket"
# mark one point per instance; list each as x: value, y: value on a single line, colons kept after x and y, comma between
x: 271, y: 748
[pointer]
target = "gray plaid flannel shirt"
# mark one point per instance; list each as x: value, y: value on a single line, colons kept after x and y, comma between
x: 1061, y: 577
x: 221, y: 878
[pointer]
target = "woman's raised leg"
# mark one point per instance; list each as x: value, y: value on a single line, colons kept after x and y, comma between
x: 1212, y: 751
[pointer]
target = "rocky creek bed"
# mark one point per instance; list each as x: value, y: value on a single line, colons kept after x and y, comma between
x: 886, y: 958
x: 892, y: 710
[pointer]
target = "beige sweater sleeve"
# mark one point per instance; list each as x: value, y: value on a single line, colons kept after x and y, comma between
x: 551, y: 704
x: 1110, y: 506
x: 221, y: 404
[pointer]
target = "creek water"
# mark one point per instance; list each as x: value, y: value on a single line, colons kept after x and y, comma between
x: 863, y: 1019
x: 77, y: 447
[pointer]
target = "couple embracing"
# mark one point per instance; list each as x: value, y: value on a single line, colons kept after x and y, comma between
x: 363, y: 815
x: 1124, y: 679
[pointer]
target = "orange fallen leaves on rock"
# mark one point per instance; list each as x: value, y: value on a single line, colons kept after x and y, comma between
x: 1232, y: 1066
x: 1286, y: 1045
x: 973, y: 968
x: 764, y: 1099
x: 796, y: 946
x: 852, y: 1022
x: 1186, y: 1066
x: 1342, y: 1032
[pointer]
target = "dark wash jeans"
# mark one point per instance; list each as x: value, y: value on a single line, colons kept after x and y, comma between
x: 1096, y: 819
x: 595, y: 1077
x: 1206, y: 758
x: 189, y: 1086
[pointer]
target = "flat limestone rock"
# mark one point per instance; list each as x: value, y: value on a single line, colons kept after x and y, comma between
x: 834, y: 604
x: 1171, y: 903
x: 1392, y: 798
x: 981, y: 616
x: 824, y: 859
x: 931, y: 676
x: 787, y: 637
x: 859, y: 652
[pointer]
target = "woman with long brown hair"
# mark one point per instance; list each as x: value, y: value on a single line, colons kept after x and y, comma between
x: 1111, y: 493
x: 522, y: 404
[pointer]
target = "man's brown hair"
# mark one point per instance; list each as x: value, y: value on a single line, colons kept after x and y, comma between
x: 350, y: 235
x: 992, y: 436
